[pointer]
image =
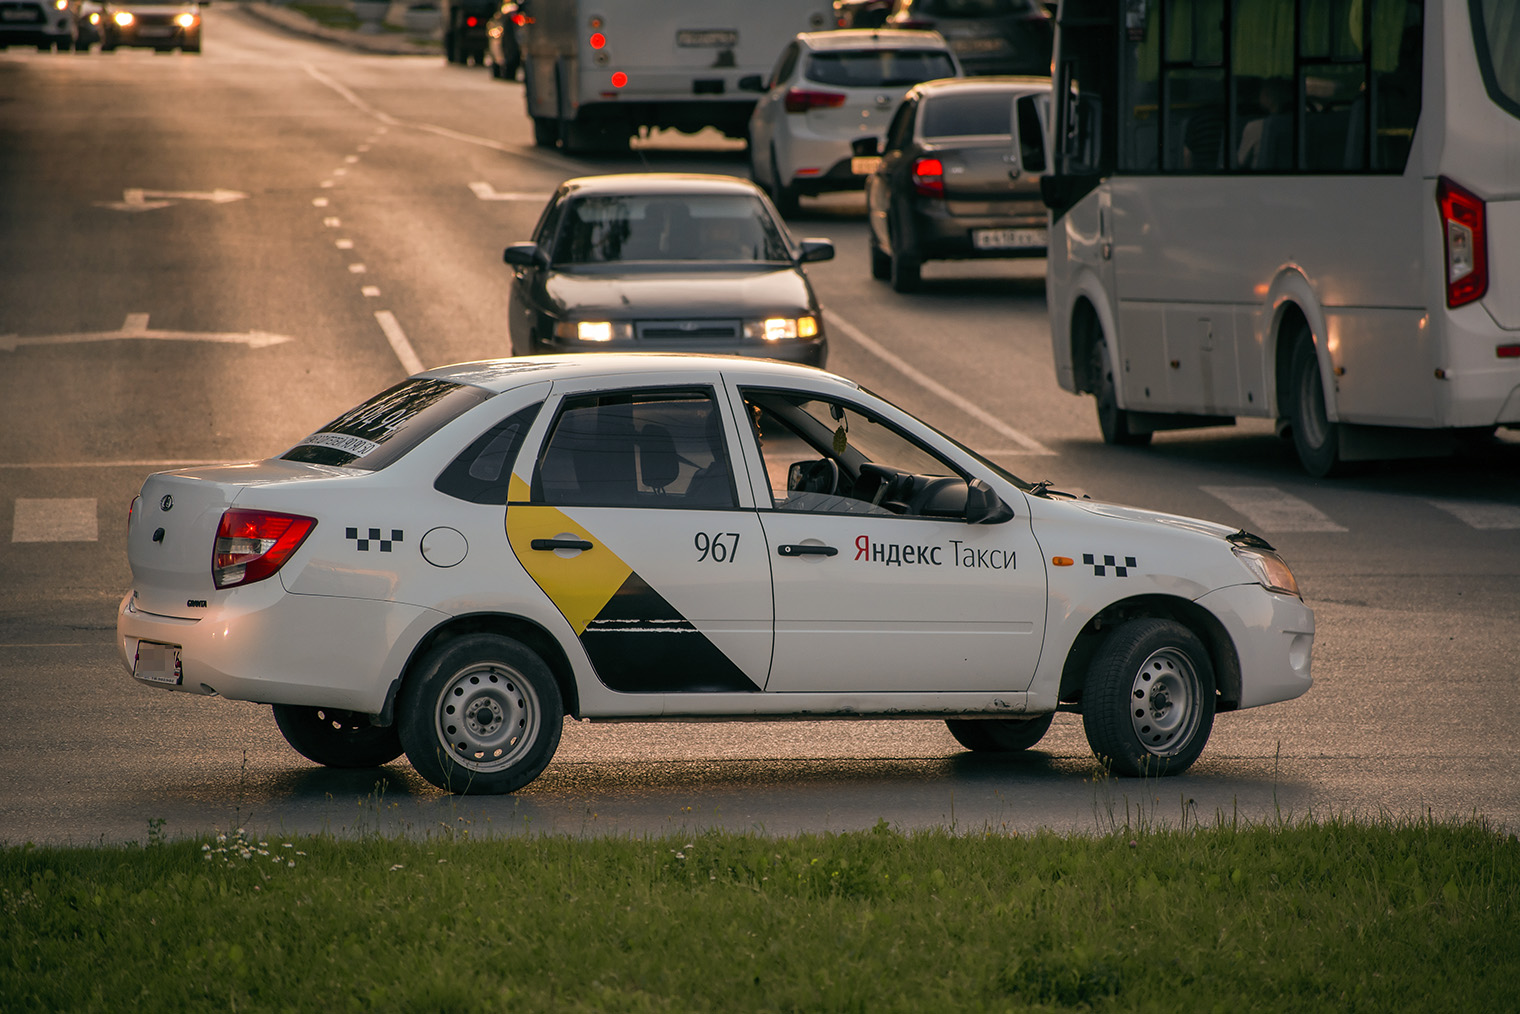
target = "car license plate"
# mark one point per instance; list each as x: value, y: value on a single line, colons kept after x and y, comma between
x: 977, y: 45
x: 1006, y: 239
x: 19, y: 14
x: 864, y: 165
x: 158, y: 663
x: 726, y: 38
x: 155, y: 33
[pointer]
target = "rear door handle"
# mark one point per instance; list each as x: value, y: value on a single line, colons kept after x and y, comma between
x: 549, y: 545
x: 794, y: 550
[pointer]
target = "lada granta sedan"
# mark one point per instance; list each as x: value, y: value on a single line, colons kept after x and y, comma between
x: 452, y: 568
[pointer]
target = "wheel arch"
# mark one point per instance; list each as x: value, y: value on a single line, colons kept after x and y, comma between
x: 1204, y: 625
x: 1292, y: 304
x: 530, y: 633
x: 1088, y: 317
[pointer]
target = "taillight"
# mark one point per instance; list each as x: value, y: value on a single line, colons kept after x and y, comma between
x: 929, y: 177
x: 598, y: 40
x: 519, y: 19
x: 800, y: 100
x: 471, y: 21
x: 252, y: 545
x: 1464, y: 221
x: 132, y: 510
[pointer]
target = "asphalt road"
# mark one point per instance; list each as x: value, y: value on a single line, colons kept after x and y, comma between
x: 204, y: 258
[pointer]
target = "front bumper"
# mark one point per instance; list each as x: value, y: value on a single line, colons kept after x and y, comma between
x: 1273, y: 636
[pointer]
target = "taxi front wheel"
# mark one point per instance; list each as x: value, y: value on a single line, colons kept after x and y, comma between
x: 481, y: 715
x: 1148, y: 706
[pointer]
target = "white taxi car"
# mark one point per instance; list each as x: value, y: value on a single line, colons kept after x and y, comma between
x: 456, y: 565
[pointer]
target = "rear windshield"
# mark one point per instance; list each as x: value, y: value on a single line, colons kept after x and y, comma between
x: 968, y: 114
x: 879, y: 68
x: 1496, y: 29
x: 391, y: 423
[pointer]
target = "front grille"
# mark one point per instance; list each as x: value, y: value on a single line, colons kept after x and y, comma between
x: 677, y: 330
x: 156, y: 20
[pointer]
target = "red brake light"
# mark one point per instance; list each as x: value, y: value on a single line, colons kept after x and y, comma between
x: 1464, y: 224
x: 929, y: 177
x: 800, y: 100
x: 598, y: 40
x: 471, y: 21
x: 519, y: 19
x: 619, y: 79
x: 252, y: 545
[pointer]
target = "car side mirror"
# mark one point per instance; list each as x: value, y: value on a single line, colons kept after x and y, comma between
x: 865, y: 147
x: 983, y: 506
x: 525, y: 255
x: 750, y: 83
x: 816, y: 250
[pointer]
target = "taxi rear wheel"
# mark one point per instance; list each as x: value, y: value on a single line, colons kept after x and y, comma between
x: 337, y: 738
x: 999, y: 735
x: 481, y: 715
x: 1148, y: 706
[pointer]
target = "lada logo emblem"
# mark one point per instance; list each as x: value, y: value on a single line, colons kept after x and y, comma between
x: 167, y: 503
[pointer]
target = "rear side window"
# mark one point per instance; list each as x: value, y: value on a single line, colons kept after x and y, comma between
x: 1496, y: 29
x: 390, y: 424
x: 879, y: 68
x: 482, y: 473
x: 967, y: 114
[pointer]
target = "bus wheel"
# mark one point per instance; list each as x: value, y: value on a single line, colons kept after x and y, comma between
x: 1112, y: 420
x: 545, y: 131
x: 1315, y: 437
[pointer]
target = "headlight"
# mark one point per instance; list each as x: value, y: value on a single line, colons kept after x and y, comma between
x: 775, y: 329
x: 593, y: 330
x: 123, y: 19
x: 1269, y: 570
x: 60, y: 5
x: 185, y: 21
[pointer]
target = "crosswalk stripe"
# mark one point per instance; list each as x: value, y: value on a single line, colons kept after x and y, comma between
x: 1271, y: 510
x: 55, y: 520
x: 1478, y: 514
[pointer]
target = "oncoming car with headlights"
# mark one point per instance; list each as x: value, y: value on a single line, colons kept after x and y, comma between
x: 665, y: 262
x: 457, y: 565
x: 160, y: 26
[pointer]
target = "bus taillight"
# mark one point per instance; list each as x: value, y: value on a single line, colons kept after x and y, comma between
x: 1465, y: 225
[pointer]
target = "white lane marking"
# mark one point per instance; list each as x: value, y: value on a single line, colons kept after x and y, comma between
x: 486, y: 192
x: 136, y: 328
x: 552, y: 161
x: 332, y: 222
x: 320, y: 202
x: 340, y: 172
x: 369, y: 291
x: 351, y: 159
x: 344, y: 244
x: 1028, y: 444
x: 55, y: 520
x: 1480, y: 514
x: 357, y: 269
x: 1272, y: 510
x: 397, y: 337
x: 138, y: 199
x: 326, y: 183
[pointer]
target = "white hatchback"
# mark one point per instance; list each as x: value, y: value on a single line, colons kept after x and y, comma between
x: 458, y: 564
x: 827, y: 91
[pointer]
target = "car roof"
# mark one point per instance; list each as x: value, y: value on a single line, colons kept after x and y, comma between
x: 872, y: 38
x: 498, y: 375
x: 624, y: 184
x: 989, y: 83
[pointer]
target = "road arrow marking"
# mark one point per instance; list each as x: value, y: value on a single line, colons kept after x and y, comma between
x: 138, y: 199
x: 136, y: 327
x: 486, y: 192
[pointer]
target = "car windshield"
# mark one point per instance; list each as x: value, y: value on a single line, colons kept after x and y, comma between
x: 967, y: 114
x: 669, y: 227
x: 380, y: 431
x: 879, y: 68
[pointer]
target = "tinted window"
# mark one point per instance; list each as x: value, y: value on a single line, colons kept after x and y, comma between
x: 663, y: 227
x: 966, y: 114
x: 1496, y: 27
x: 878, y: 68
x: 482, y: 473
x: 644, y: 449
x: 384, y: 428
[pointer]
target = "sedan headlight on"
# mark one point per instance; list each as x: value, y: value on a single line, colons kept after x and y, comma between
x: 593, y: 330
x: 123, y: 18
x: 186, y: 20
x: 1269, y: 570
x: 776, y: 329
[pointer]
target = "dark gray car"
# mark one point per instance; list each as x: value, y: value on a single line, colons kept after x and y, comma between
x: 959, y: 176
x: 665, y: 262
x: 987, y: 36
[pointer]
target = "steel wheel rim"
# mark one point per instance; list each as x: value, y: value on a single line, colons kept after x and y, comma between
x: 487, y: 716
x: 1165, y: 702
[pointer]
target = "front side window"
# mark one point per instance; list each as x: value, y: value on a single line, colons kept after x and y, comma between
x: 665, y: 227
x: 378, y: 432
x: 878, y: 68
x: 636, y: 449
x: 832, y: 457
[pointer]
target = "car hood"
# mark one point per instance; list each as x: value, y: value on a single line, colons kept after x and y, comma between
x: 1177, y: 521
x: 629, y: 295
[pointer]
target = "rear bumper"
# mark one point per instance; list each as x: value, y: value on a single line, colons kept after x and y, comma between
x: 938, y: 234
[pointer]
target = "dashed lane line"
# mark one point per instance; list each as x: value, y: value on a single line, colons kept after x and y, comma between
x: 1482, y: 515
x: 1273, y: 510
x: 1028, y: 444
x: 399, y: 343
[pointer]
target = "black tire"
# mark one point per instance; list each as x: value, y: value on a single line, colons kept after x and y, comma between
x: 1118, y: 429
x: 480, y: 715
x: 999, y: 735
x: 192, y: 44
x: 1148, y: 705
x: 782, y: 196
x: 1315, y: 437
x: 545, y: 131
x: 881, y: 264
x: 904, y: 269
x: 336, y: 738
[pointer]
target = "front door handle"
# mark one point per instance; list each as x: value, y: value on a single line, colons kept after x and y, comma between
x: 804, y: 550
x: 549, y: 545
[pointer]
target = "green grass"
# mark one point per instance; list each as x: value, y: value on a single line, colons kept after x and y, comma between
x: 1315, y: 916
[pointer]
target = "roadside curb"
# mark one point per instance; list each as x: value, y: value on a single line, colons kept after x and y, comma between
x: 384, y: 44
